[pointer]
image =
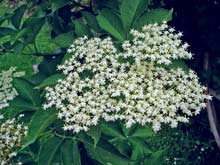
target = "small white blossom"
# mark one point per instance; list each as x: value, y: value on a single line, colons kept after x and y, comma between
x: 11, y: 135
x: 7, y: 91
x: 103, y: 84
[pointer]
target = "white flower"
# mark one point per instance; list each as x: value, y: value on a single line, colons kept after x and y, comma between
x: 103, y: 84
x: 11, y: 135
x: 7, y: 91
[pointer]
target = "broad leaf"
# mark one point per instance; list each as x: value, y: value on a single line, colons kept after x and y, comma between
x: 82, y: 29
x: 11, y: 112
x: 131, y: 10
x: 104, y: 152
x: 111, y: 23
x: 142, y: 132
x: 18, y: 14
x: 178, y: 64
x: 26, y: 90
x: 52, y: 80
x: 112, y: 129
x: 21, y: 62
x: 49, y: 150
x: 154, y: 16
x: 44, y: 42
x: 95, y: 134
x: 64, y: 40
x: 5, y: 31
x: 39, y: 122
x: 70, y: 152
x: 139, y: 149
x: 56, y: 4
x: 91, y: 21
x: 20, y: 103
x: 155, y: 158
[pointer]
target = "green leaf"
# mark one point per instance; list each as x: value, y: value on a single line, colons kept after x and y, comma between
x: 26, y: 90
x: 11, y: 112
x: 5, y: 31
x: 82, y: 29
x: 44, y: 42
x: 64, y: 40
x: 70, y: 152
x: 49, y: 150
x: 142, y: 132
x: 178, y: 64
x: 112, y: 129
x: 56, y: 4
x: 155, y: 158
x: 104, y: 152
x: 20, y: 103
x: 95, y: 133
x: 33, y: 26
x: 18, y: 14
x: 122, y: 146
x: 130, y: 10
x: 52, y: 80
x: 154, y: 16
x: 21, y: 62
x: 91, y: 21
x: 39, y: 122
x: 140, y: 149
x: 111, y: 23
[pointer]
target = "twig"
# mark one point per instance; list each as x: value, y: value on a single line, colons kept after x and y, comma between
x: 211, y: 108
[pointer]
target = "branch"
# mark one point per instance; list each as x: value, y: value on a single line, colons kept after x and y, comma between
x: 211, y: 108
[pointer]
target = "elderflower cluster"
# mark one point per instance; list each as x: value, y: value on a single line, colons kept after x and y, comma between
x: 11, y: 135
x: 103, y: 84
x: 159, y: 44
x: 7, y: 92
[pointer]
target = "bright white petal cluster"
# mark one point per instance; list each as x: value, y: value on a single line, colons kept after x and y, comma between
x: 7, y: 92
x: 159, y: 44
x: 11, y: 135
x: 103, y: 84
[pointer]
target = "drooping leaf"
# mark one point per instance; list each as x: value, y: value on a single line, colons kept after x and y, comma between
x: 154, y: 16
x: 18, y: 14
x: 111, y: 23
x: 26, y: 90
x: 70, y: 152
x: 49, y: 150
x: 52, y: 80
x: 130, y: 10
x: 39, y: 122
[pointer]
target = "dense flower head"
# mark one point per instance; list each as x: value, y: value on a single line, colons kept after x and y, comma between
x: 103, y: 84
x: 157, y: 43
x: 11, y: 135
x: 7, y: 91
